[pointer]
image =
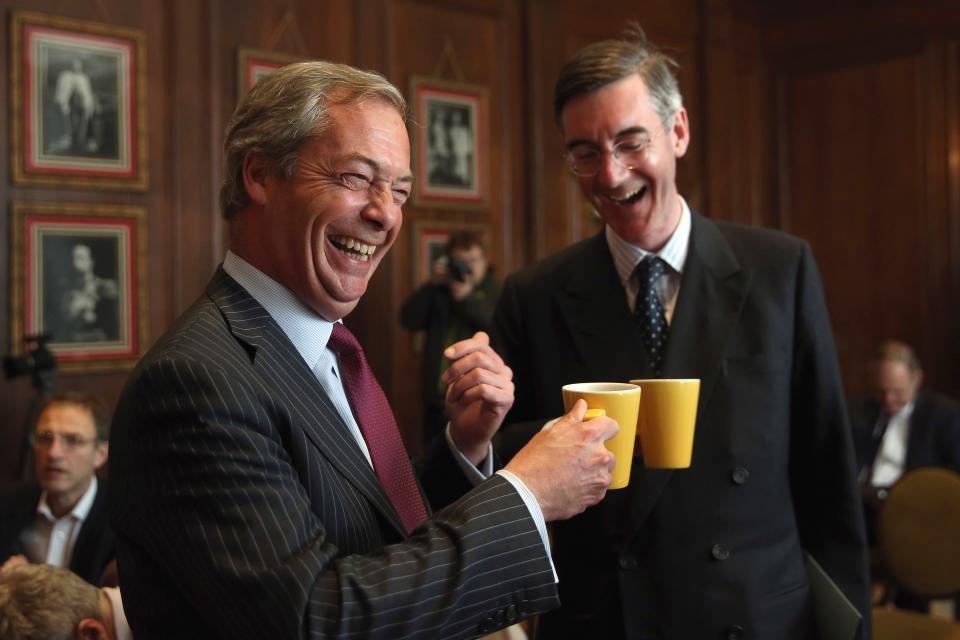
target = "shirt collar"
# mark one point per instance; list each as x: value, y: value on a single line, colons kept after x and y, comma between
x: 905, y: 412
x: 80, y: 510
x: 120, y: 624
x: 627, y: 256
x: 308, y: 331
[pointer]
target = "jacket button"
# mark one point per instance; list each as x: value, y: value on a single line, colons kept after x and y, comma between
x: 525, y: 607
x: 734, y: 633
x: 628, y: 562
x: 485, y: 627
x: 512, y: 615
x: 720, y: 552
x: 740, y: 475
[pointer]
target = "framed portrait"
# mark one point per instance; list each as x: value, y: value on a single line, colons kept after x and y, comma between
x: 77, y: 272
x: 450, y: 144
x: 253, y: 64
x: 430, y: 243
x: 78, y: 103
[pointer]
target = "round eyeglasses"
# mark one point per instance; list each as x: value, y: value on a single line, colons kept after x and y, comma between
x: 585, y: 160
x: 43, y: 440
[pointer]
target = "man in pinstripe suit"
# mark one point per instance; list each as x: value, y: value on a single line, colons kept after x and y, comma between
x: 246, y: 504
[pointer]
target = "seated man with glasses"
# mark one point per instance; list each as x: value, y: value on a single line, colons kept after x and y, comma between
x: 61, y: 518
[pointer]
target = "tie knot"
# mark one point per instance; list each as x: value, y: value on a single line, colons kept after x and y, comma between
x: 649, y: 270
x: 342, y: 341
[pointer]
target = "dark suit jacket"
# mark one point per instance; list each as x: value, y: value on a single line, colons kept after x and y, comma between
x: 933, y: 439
x: 94, y: 548
x: 713, y: 551
x: 244, y: 508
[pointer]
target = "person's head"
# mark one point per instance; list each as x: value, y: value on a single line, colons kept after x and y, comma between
x: 42, y: 602
x: 82, y: 258
x: 317, y: 162
x: 624, y: 126
x: 70, y: 444
x: 466, y: 247
x: 897, y: 375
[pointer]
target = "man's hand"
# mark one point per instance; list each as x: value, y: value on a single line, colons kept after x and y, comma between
x: 566, y: 465
x: 479, y: 394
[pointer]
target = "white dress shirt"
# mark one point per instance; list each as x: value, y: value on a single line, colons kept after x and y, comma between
x: 50, y: 540
x: 627, y: 256
x: 310, y: 333
x: 120, y: 625
x: 892, y: 454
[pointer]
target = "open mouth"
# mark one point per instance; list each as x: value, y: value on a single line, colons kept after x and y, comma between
x: 353, y: 248
x: 629, y: 198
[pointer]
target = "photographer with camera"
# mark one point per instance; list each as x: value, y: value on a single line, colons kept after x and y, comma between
x: 456, y: 302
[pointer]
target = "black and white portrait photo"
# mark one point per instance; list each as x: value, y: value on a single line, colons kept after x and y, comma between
x: 450, y: 143
x: 80, y: 103
x: 81, y: 292
x: 80, y: 119
x: 451, y: 153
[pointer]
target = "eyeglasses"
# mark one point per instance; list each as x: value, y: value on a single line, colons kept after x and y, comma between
x: 43, y: 440
x: 586, y: 160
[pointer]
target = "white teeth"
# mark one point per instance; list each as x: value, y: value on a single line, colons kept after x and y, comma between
x: 627, y: 196
x: 365, y: 250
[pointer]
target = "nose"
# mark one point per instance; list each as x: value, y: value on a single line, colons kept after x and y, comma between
x: 382, y: 210
x: 56, y: 447
x: 611, y: 172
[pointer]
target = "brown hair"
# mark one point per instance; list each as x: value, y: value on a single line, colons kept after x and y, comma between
x: 42, y: 602
x: 607, y: 61
x: 97, y: 408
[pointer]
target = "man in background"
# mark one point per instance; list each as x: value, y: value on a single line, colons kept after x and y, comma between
x: 901, y: 426
x: 457, y: 302
x: 61, y: 519
x: 716, y: 550
x: 41, y: 601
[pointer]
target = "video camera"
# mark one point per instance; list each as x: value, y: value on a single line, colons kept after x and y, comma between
x: 39, y: 362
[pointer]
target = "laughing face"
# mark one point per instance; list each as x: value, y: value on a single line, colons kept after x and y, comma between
x: 323, y: 232
x: 640, y: 203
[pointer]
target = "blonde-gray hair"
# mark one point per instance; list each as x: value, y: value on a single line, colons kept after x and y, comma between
x: 41, y: 602
x: 287, y: 108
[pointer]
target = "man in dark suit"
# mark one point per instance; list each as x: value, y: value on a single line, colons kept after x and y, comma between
x: 716, y: 550
x: 62, y: 519
x: 901, y: 427
x: 261, y: 487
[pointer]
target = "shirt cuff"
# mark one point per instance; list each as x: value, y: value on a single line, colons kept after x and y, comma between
x: 474, y: 474
x: 535, y: 513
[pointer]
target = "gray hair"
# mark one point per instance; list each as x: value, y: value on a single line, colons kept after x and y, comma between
x: 607, y: 61
x: 287, y: 108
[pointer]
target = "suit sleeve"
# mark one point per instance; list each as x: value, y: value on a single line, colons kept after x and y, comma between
x: 209, y: 505
x: 822, y: 465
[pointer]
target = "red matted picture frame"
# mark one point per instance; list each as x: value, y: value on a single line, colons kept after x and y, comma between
x: 78, y: 103
x: 450, y: 144
x: 430, y: 242
x: 254, y: 64
x: 78, y: 272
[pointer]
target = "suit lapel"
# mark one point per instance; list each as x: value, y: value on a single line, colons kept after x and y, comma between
x: 594, y: 307
x: 919, y: 419
x: 712, y: 292
x: 281, y: 367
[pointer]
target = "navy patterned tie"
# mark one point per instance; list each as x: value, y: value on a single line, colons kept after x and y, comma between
x: 648, y: 311
x: 379, y: 427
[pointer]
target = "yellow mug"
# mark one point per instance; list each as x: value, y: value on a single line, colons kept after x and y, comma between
x: 668, y: 416
x: 621, y: 402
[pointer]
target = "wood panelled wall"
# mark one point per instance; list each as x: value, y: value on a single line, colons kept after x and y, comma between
x: 836, y: 121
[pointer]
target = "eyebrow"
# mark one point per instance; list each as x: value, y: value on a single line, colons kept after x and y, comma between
x: 375, y: 166
x: 629, y: 131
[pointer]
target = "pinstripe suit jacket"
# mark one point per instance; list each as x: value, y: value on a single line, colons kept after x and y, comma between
x: 243, y: 507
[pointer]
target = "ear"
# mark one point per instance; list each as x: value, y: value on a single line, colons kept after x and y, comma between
x: 681, y: 132
x: 91, y: 629
x: 255, y: 173
x: 101, y: 454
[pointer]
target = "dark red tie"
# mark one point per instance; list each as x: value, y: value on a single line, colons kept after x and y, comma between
x: 379, y: 427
